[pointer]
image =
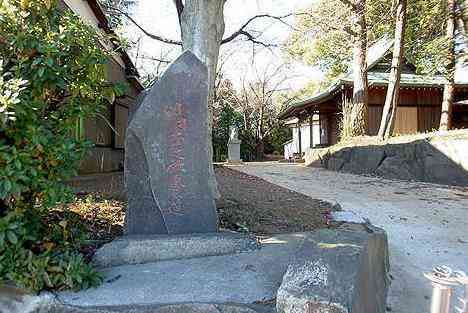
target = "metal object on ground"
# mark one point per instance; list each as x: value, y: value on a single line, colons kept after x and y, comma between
x: 442, y: 281
x: 462, y: 278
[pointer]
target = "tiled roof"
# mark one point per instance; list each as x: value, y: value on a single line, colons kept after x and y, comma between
x: 374, y: 55
x: 413, y: 80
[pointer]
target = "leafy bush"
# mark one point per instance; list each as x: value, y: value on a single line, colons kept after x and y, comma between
x: 52, y: 75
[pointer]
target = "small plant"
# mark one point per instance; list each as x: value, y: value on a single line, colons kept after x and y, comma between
x: 52, y: 75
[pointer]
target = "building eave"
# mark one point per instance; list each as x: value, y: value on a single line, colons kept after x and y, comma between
x: 314, y: 100
x: 330, y: 93
x: 131, y: 71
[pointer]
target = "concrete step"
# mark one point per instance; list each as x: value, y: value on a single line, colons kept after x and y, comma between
x: 253, y: 281
x: 243, y: 282
x: 247, y: 278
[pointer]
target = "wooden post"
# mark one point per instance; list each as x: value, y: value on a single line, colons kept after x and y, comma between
x: 320, y: 129
x: 300, y: 136
x: 311, y: 129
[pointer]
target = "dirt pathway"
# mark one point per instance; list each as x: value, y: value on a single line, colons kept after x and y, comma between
x: 427, y: 224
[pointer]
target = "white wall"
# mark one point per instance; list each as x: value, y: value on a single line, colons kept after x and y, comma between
x: 293, y: 147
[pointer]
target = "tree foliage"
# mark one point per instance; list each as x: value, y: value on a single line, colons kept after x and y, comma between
x: 323, y: 35
x: 425, y: 42
x: 52, y: 74
x: 325, y: 32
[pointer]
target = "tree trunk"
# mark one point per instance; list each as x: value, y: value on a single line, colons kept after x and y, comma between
x: 449, y: 87
x: 360, y: 91
x: 391, y: 101
x: 202, y: 29
x: 259, y: 149
x: 464, y: 16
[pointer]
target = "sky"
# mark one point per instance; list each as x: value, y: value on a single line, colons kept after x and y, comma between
x: 159, y: 17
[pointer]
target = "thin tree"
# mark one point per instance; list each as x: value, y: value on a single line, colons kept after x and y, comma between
x: 359, y: 116
x: 360, y: 89
x: 449, y: 87
x: 391, y: 101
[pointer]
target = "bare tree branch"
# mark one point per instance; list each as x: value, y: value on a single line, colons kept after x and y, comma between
x: 241, y: 31
x: 144, y: 57
x: 152, y: 36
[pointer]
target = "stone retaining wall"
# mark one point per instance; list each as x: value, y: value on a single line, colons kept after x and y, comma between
x: 436, y: 158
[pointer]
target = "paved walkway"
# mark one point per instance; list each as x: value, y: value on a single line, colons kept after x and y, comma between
x: 427, y: 224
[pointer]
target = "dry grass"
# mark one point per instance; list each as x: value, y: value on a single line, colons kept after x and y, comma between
x: 351, y: 123
x: 100, y: 218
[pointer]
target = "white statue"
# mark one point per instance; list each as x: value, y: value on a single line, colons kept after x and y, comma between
x: 234, y: 145
x: 233, y: 133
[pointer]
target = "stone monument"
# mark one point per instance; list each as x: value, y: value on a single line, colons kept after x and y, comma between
x: 234, y: 145
x: 166, y: 155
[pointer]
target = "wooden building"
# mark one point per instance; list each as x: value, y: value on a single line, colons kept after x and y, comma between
x: 107, y: 131
x: 315, y: 120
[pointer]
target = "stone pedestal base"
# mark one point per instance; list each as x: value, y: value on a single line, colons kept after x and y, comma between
x: 234, y: 162
x: 154, y: 248
x: 234, y: 152
x: 331, y: 270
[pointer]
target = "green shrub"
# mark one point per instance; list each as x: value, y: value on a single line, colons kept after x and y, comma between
x: 52, y: 75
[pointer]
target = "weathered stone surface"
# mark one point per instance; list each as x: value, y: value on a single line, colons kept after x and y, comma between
x: 241, y: 278
x: 203, y: 308
x: 234, y: 152
x: 238, y: 283
x: 343, y: 271
x: 363, y: 160
x: 441, y: 159
x: 336, y: 164
x: 234, y: 146
x: 166, y: 164
x: 145, y: 249
x: 173, y: 308
x: 395, y: 168
x: 51, y: 305
x: 343, y: 261
x: 346, y: 216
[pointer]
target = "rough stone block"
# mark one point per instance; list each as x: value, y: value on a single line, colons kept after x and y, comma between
x: 397, y: 168
x: 338, y: 271
x: 166, y: 155
x: 234, y: 152
x: 146, y: 249
x: 364, y: 160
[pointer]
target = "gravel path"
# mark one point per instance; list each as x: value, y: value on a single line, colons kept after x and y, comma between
x: 427, y: 224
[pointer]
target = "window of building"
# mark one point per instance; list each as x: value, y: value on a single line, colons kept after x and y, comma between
x: 120, y: 125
